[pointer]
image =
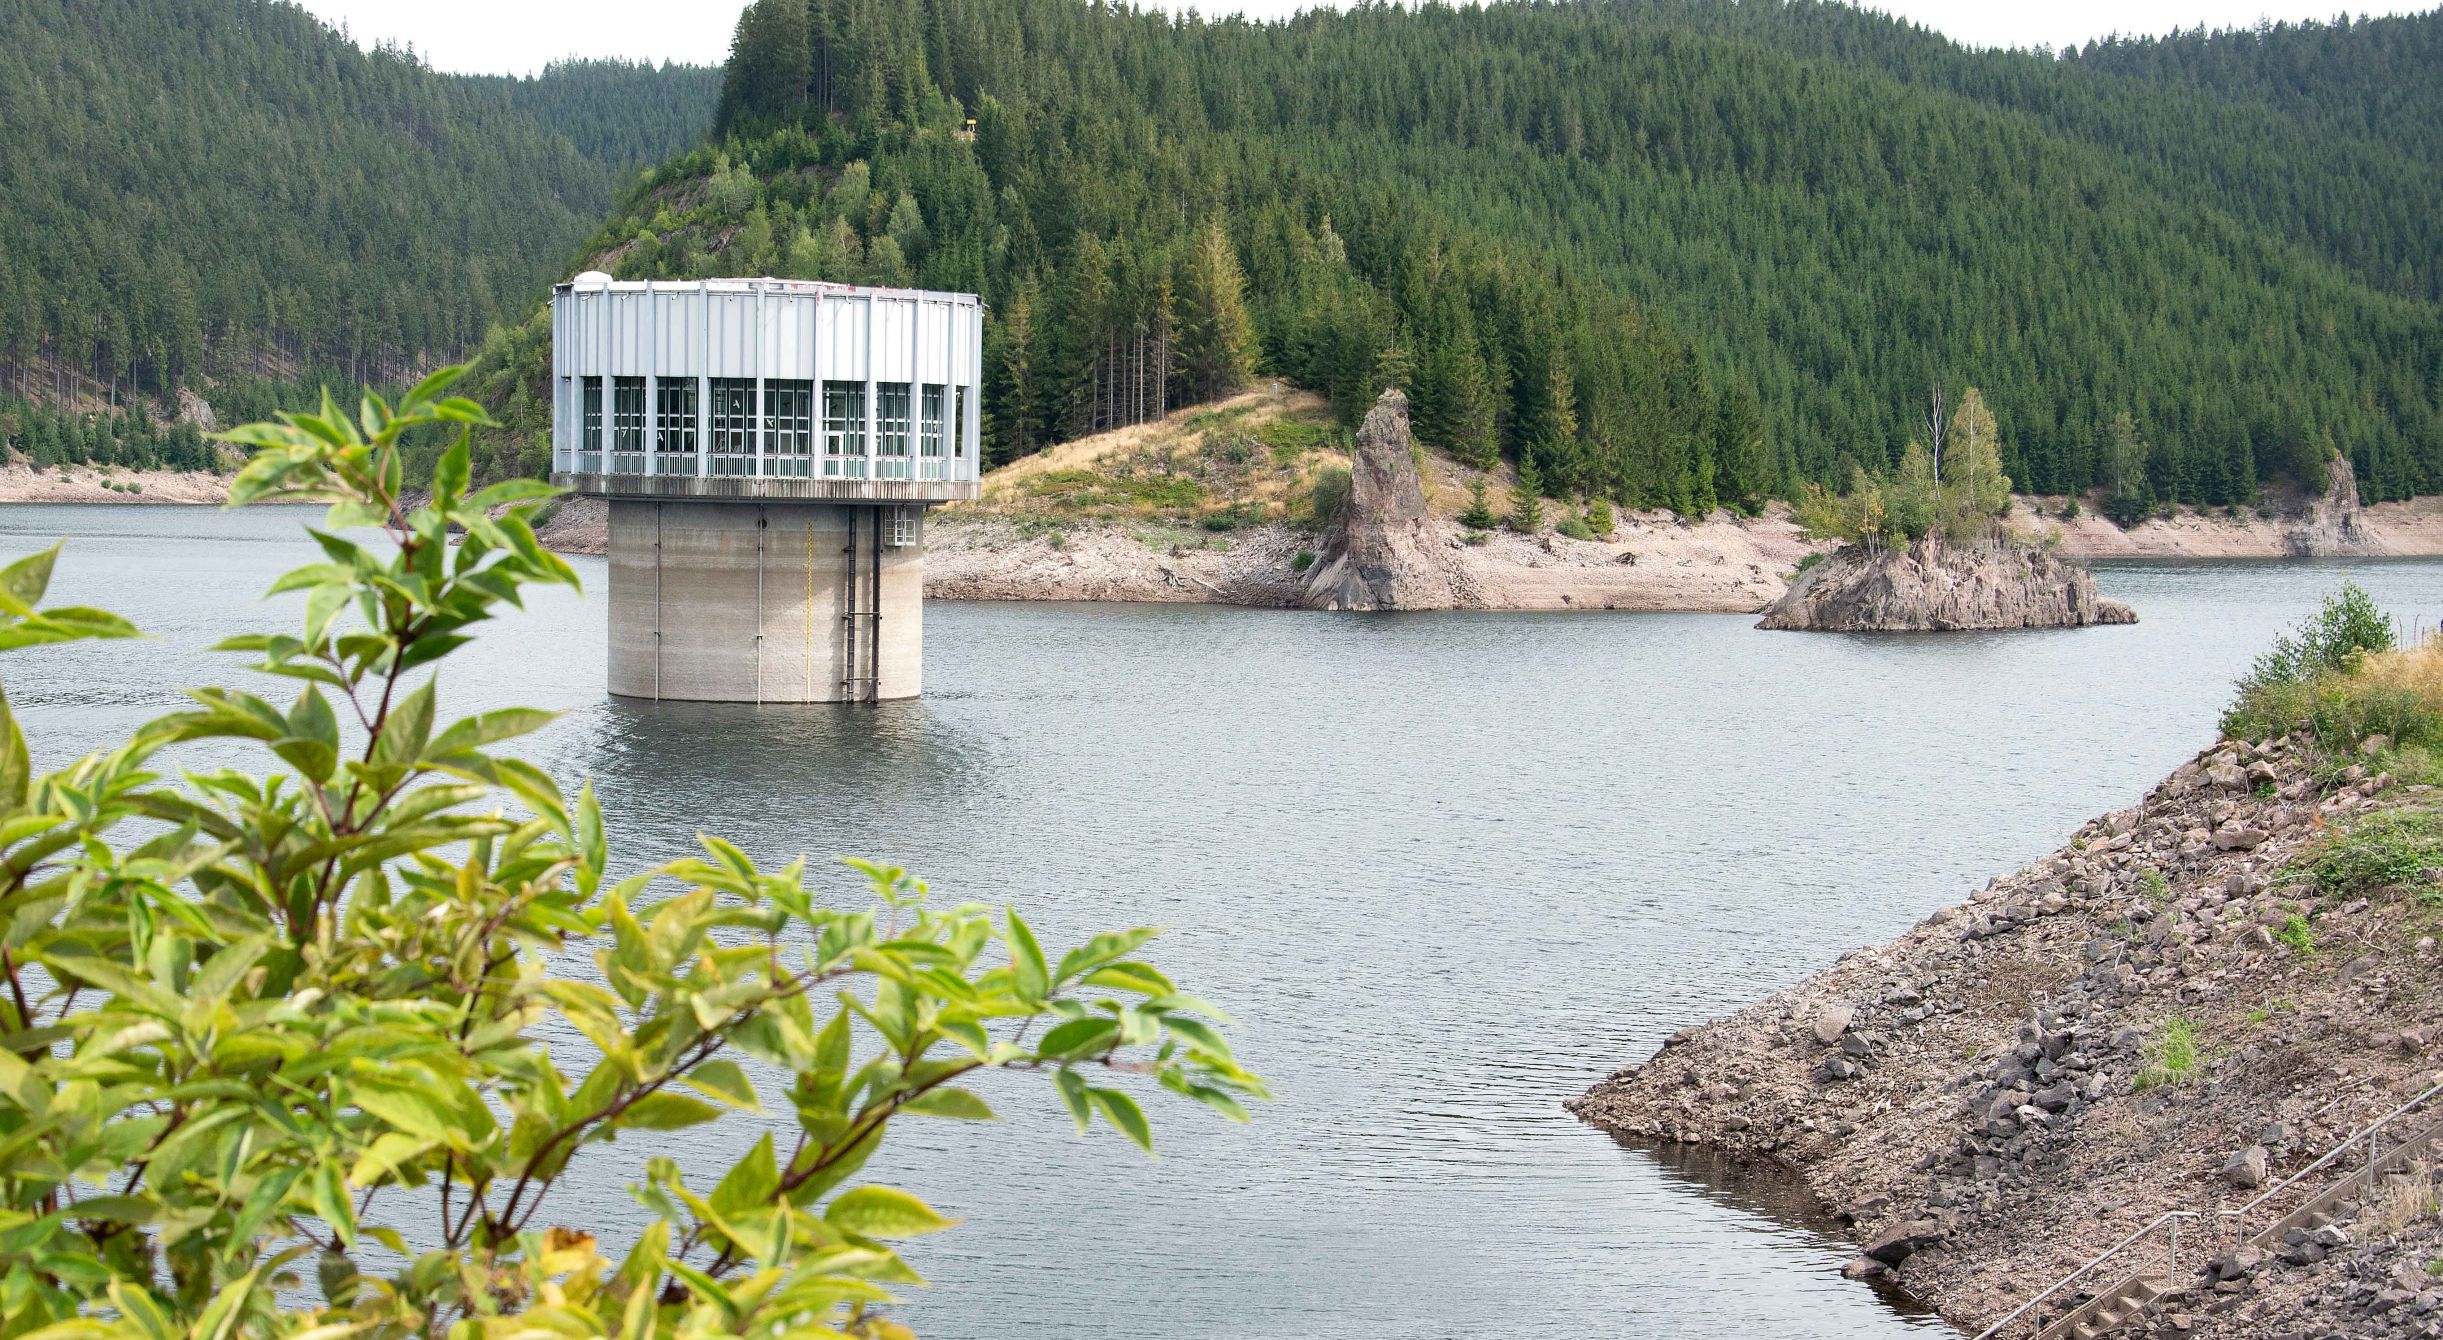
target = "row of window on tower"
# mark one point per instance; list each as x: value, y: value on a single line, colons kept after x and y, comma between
x: 915, y: 428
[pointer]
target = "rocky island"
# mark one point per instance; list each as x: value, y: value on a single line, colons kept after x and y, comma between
x: 1929, y: 548
x: 1932, y: 586
x: 2192, y: 1001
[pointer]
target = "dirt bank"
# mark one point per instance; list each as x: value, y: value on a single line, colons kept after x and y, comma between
x: 2289, y: 524
x: 577, y: 526
x: 86, y: 484
x: 2411, y: 529
x: 2158, y: 1016
x: 1650, y: 562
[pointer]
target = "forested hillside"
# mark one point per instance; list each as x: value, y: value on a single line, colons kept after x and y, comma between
x: 228, y: 188
x: 625, y: 115
x: 1673, y: 252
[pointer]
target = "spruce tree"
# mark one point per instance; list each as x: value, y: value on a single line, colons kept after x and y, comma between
x: 2128, y: 493
x: 1479, y: 513
x: 768, y: 65
x: 1216, y: 337
x: 1527, y: 500
x: 1468, y: 431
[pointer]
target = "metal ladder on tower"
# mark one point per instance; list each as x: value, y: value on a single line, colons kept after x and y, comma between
x: 865, y: 687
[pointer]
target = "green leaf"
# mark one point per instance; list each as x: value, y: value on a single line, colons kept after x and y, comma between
x: 1028, y: 972
x: 1100, y: 950
x: 423, y: 393
x: 665, y: 1112
x: 331, y: 1201
x: 955, y: 1104
x: 312, y: 759
x: 137, y: 1304
x: 16, y: 765
x: 593, y: 848
x: 383, y: 1157
x: 118, y: 1209
x: 884, y: 1212
x: 1199, y: 1035
x: 1072, y: 1088
x: 1079, y: 1037
x: 487, y: 728
x: 411, y: 1108
x: 311, y: 718
x: 407, y: 728
x: 1142, y: 978
x: 220, y: 1316
x: 751, y: 1184
x: 512, y: 491
x: 322, y: 605
x: 1124, y: 1113
x: 23, y: 582
x: 725, y: 1081
x: 450, y: 474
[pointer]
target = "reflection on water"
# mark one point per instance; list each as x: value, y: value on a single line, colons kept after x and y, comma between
x: 1777, y: 1198
x: 1447, y: 870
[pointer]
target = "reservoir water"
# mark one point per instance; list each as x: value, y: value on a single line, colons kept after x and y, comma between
x: 1445, y: 869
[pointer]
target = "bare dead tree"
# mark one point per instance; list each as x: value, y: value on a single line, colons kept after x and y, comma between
x: 1938, y: 423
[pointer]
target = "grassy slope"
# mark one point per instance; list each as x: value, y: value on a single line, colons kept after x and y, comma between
x: 1201, y: 472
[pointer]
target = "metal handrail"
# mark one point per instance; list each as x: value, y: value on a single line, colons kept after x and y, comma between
x: 2171, y: 1265
x: 2367, y: 1133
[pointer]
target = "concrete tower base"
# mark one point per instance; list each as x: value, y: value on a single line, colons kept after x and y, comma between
x: 765, y: 602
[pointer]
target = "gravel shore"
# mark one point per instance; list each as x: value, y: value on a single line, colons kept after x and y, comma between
x: 2158, y: 1016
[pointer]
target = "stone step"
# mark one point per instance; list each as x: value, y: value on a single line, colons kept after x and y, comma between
x: 2103, y: 1314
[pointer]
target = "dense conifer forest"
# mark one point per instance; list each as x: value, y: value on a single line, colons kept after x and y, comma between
x: 1672, y: 252
x: 625, y: 115
x: 228, y: 191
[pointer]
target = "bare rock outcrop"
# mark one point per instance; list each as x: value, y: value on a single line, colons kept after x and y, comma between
x: 2330, y: 528
x: 1935, y: 587
x: 1384, y: 551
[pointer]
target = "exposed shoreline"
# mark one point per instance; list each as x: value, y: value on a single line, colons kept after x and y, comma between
x: 1652, y: 562
x: 1985, y: 1100
x: 20, y: 483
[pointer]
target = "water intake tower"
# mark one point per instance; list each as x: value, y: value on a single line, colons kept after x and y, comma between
x: 768, y: 448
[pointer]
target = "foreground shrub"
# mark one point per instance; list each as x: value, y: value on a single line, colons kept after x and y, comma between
x: 295, y: 1053
x: 2323, y: 674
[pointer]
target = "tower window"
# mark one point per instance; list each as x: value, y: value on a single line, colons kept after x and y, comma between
x: 674, y: 424
x: 891, y: 418
x: 844, y: 418
x: 929, y: 423
x: 593, y: 412
x: 627, y: 414
x: 732, y: 425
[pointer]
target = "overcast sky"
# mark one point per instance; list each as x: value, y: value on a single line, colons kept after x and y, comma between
x: 520, y: 36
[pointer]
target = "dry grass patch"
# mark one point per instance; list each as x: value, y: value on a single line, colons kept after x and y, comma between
x: 1252, y: 459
